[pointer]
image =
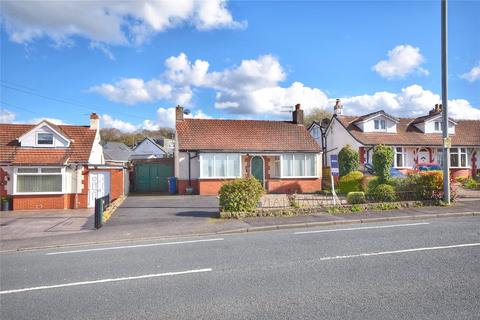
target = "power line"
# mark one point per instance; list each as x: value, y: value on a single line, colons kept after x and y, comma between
x: 18, y: 107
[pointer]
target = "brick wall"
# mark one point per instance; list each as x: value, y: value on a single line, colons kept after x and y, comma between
x: 210, y: 187
x: 183, y: 184
x: 290, y: 186
x: 116, y: 183
x: 33, y: 202
x: 463, y: 172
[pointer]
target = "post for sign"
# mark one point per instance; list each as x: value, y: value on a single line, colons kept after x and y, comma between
x: 446, y: 138
x: 334, y: 172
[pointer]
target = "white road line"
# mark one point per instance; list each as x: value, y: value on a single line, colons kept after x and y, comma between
x: 83, y: 283
x: 365, y: 228
x: 400, y: 251
x: 134, y: 246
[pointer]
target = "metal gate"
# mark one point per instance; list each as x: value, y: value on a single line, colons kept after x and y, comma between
x: 153, y: 176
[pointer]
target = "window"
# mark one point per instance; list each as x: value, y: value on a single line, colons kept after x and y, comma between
x: 299, y: 165
x: 459, y: 157
x: 379, y: 124
x: 400, y: 157
x: 39, y: 180
x: 44, y: 139
x: 220, y: 165
x: 438, y: 126
x: 440, y: 156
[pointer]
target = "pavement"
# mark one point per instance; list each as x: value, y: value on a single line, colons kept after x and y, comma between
x: 153, y: 217
x: 424, y: 269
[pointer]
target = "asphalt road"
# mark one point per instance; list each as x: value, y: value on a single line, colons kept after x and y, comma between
x: 406, y: 270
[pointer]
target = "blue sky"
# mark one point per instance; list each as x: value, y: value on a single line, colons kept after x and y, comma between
x: 133, y: 62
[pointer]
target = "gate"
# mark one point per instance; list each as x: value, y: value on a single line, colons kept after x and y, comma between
x: 153, y: 176
x: 98, y: 186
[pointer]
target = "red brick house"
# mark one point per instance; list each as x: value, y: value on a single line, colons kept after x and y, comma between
x: 281, y: 154
x: 48, y: 166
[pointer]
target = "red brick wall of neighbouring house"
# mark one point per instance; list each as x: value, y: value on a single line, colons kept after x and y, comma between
x: 183, y: 184
x: 32, y: 202
x: 361, y: 154
x: 290, y: 186
x: 210, y: 187
x: 116, y: 183
x: 460, y: 172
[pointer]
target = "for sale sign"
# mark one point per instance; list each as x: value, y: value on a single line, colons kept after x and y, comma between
x: 334, y: 165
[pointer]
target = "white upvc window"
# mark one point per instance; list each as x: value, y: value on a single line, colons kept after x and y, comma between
x: 438, y: 126
x: 459, y: 158
x: 39, y: 180
x: 44, y: 139
x: 299, y: 165
x: 379, y: 124
x: 400, y: 157
x: 220, y: 165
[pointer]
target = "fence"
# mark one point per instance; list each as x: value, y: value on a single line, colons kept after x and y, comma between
x: 100, y: 205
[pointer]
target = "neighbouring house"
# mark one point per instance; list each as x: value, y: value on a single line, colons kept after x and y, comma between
x: 48, y: 166
x: 148, y: 149
x: 118, y: 154
x: 167, y: 144
x: 414, y: 140
x: 280, y: 154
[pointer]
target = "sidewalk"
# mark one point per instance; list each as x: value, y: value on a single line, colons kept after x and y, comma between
x: 144, y: 230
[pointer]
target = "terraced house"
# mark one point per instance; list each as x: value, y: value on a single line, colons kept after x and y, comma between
x: 414, y: 140
x: 280, y: 154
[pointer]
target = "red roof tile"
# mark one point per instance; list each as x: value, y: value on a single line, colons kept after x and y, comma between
x: 244, y: 136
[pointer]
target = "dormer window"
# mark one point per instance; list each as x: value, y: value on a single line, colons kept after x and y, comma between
x: 379, y: 124
x: 44, y: 139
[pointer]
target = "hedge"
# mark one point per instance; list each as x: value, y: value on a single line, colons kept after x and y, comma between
x: 240, y: 195
x: 356, y: 197
x: 382, y: 160
x: 351, y: 182
x: 384, y: 193
x: 348, y: 160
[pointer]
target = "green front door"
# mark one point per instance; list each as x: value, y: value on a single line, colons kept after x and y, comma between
x: 152, y: 177
x: 257, y: 168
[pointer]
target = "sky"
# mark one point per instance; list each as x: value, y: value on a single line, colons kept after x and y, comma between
x: 132, y: 62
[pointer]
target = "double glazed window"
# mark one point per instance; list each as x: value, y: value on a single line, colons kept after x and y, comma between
x: 400, y: 157
x: 44, y: 139
x: 220, y: 165
x: 379, y: 124
x: 299, y: 165
x: 39, y: 180
x: 438, y: 126
x: 459, y: 157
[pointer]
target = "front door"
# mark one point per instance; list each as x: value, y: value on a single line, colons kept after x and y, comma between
x: 423, y: 155
x: 258, y: 169
x: 98, y: 186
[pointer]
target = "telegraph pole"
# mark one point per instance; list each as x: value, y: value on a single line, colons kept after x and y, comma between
x: 446, y: 139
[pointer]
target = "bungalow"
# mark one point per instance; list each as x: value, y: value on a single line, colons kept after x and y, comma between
x: 280, y: 154
x: 48, y: 166
x: 414, y: 140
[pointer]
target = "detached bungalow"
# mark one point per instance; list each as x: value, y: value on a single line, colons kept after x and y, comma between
x: 48, y: 166
x: 414, y: 140
x: 280, y: 154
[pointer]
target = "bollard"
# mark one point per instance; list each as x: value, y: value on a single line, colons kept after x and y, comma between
x: 98, y: 213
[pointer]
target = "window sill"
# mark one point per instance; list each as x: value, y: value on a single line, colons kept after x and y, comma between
x: 218, y: 178
x: 37, y: 193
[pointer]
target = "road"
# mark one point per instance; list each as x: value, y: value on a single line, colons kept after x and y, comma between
x: 415, y: 269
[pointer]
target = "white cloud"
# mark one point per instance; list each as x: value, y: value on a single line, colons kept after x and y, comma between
x: 110, y: 22
x: 6, y: 116
x: 402, y: 60
x: 473, y: 74
x: 109, y: 122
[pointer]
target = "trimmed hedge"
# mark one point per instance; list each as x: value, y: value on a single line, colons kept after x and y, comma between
x: 384, y: 193
x: 382, y: 160
x: 240, y: 195
x: 348, y: 160
x: 351, y: 182
x: 356, y: 197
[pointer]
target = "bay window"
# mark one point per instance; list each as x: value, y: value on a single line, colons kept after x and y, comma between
x: 400, y: 157
x: 299, y: 165
x: 39, y: 180
x: 220, y: 165
x: 459, y: 157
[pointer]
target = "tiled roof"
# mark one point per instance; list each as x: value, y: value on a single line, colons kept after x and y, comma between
x: 244, y: 136
x: 81, y: 137
x: 372, y: 114
x: 467, y: 133
x: 116, y: 151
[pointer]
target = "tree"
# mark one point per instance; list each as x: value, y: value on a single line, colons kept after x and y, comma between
x: 382, y: 161
x: 347, y: 160
x: 316, y: 114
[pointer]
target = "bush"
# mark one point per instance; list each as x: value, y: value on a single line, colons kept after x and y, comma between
x: 382, y: 160
x: 384, y: 193
x: 351, y: 182
x: 240, y: 195
x: 347, y: 160
x: 356, y: 197
x: 469, y: 183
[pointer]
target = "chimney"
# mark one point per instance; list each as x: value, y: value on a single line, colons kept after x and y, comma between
x: 297, y: 115
x: 436, y: 109
x: 338, y: 108
x: 178, y: 113
x: 94, y: 121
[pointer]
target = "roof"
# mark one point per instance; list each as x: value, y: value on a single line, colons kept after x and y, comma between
x: 373, y: 114
x: 429, y: 116
x: 116, y: 151
x: 467, y: 133
x: 153, y: 142
x: 244, y: 136
x: 82, y: 138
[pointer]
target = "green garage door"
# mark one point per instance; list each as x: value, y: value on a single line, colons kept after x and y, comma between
x: 152, y: 177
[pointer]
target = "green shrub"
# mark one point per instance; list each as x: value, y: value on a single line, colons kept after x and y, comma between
x: 382, y: 160
x: 384, y: 193
x: 351, y: 182
x: 470, y: 183
x: 240, y: 195
x: 356, y: 208
x: 356, y: 197
x: 347, y: 160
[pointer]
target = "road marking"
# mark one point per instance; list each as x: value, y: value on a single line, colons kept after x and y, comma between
x: 82, y: 283
x: 133, y: 246
x: 365, y: 228
x: 400, y: 251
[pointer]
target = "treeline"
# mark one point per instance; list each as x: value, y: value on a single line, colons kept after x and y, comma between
x: 115, y: 135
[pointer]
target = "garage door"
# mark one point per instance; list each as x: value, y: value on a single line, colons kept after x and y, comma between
x: 98, y: 186
x: 152, y: 177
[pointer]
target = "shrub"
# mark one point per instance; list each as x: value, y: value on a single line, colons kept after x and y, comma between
x: 347, y: 160
x: 382, y: 160
x: 469, y: 183
x: 429, y: 185
x: 356, y: 208
x: 384, y: 193
x: 240, y: 195
x: 351, y: 182
x: 356, y: 197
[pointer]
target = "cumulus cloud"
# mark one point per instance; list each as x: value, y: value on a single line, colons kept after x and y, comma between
x: 6, y: 116
x: 473, y: 74
x: 110, y: 22
x: 109, y: 122
x: 402, y: 60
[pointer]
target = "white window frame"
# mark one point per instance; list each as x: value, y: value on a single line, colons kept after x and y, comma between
x: 458, y: 151
x: 404, y: 157
x: 439, y: 129
x: 202, y: 175
x: 304, y: 166
x: 44, y: 145
x: 380, y: 121
x: 39, y: 172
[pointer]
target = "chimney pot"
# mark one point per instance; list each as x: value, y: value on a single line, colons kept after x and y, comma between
x: 178, y: 113
x: 297, y: 115
x: 297, y: 106
x: 94, y: 121
x: 338, y: 108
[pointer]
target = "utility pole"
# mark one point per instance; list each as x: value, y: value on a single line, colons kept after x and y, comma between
x: 446, y: 139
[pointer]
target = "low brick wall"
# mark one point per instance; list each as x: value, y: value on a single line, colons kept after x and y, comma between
x: 290, y: 186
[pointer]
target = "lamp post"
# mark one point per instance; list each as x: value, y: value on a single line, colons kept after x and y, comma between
x: 446, y: 139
